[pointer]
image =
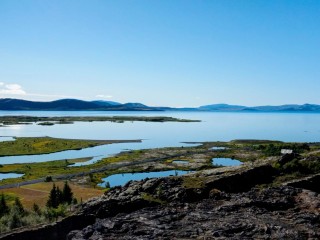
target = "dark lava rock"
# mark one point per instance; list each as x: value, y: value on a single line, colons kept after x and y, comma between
x: 272, y: 213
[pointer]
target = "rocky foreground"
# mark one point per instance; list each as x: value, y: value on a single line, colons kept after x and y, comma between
x: 226, y: 203
x: 273, y: 213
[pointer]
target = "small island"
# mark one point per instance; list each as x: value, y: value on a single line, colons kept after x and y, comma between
x: 48, y: 121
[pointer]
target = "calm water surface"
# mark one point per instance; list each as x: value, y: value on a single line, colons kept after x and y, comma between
x: 10, y: 175
x: 122, y: 179
x: 300, y: 127
x: 226, y: 162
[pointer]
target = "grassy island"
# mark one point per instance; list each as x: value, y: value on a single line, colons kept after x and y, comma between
x: 44, y: 145
x: 48, y: 121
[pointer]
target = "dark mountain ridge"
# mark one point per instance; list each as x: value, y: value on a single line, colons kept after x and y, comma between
x: 99, y: 105
x: 70, y: 105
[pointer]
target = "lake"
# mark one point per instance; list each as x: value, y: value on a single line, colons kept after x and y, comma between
x: 122, y: 179
x: 215, y: 126
x: 10, y: 175
x: 225, y: 162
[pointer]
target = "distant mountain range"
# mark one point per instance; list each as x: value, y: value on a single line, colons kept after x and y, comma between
x: 70, y: 105
x: 80, y: 105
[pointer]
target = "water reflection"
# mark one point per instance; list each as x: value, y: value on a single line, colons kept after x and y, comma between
x: 10, y: 175
x: 122, y: 178
x: 226, y: 162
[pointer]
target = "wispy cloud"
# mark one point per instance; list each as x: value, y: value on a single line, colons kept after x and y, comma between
x: 103, y: 96
x: 11, y: 89
x: 15, y: 90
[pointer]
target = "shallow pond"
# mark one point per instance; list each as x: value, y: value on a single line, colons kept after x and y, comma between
x: 10, y: 175
x: 226, y: 162
x: 6, y: 139
x: 180, y: 162
x: 217, y: 148
x: 122, y: 179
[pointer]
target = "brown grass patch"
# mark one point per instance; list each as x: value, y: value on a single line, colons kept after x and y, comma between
x: 38, y: 193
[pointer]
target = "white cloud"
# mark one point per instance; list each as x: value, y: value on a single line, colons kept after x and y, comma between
x: 103, y: 96
x: 11, y: 89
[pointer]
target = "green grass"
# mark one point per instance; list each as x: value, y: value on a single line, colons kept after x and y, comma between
x: 39, y: 170
x: 150, y: 198
x: 43, y: 145
x: 61, y: 167
x: 193, y: 182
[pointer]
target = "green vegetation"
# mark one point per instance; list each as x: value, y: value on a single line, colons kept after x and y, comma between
x: 4, y: 209
x: 199, y: 157
x: 46, y: 123
x: 12, y: 120
x: 150, y: 198
x: 275, y: 149
x: 57, y: 197
x: 15, y: 215
x: 43, y: 145
x: 193, y: 182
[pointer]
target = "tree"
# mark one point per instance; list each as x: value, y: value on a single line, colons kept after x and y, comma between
x: 36, y: 209
x: 3, y: 205
x: 59, y: 197
x: 52, y: 201
x: 67, y: 194
x: 75, y: 201
x: 18, y: 205
x: 48, y: 179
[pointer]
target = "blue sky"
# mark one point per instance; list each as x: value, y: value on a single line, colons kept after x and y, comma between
x: 168, y: 52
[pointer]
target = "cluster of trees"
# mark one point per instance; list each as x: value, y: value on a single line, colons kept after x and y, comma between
x: 13, y: 214
x: 57, y: 197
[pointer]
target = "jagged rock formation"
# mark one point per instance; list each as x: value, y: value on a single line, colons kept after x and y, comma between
x: 273, y: 213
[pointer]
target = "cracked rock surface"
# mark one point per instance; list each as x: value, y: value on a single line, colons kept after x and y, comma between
x: 272, y: 213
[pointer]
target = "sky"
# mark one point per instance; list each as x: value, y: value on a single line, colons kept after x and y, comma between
x: 161, y: 52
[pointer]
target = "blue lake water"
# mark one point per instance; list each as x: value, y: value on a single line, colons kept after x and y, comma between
x: 180, y: 162
x: 226, y: 162
x: 10, y: 175
x: 218, y: 148
x: 6, y: 139
x: 122, y: 179
x: 298, y: 127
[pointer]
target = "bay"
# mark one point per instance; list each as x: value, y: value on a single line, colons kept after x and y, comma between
x: 214, y: 126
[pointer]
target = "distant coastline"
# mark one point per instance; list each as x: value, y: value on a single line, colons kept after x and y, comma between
x: 10, y: 104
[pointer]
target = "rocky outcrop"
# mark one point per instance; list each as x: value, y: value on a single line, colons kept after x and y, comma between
x: 311, y: 182
x: 222, y: 207
x: 273, y: 213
